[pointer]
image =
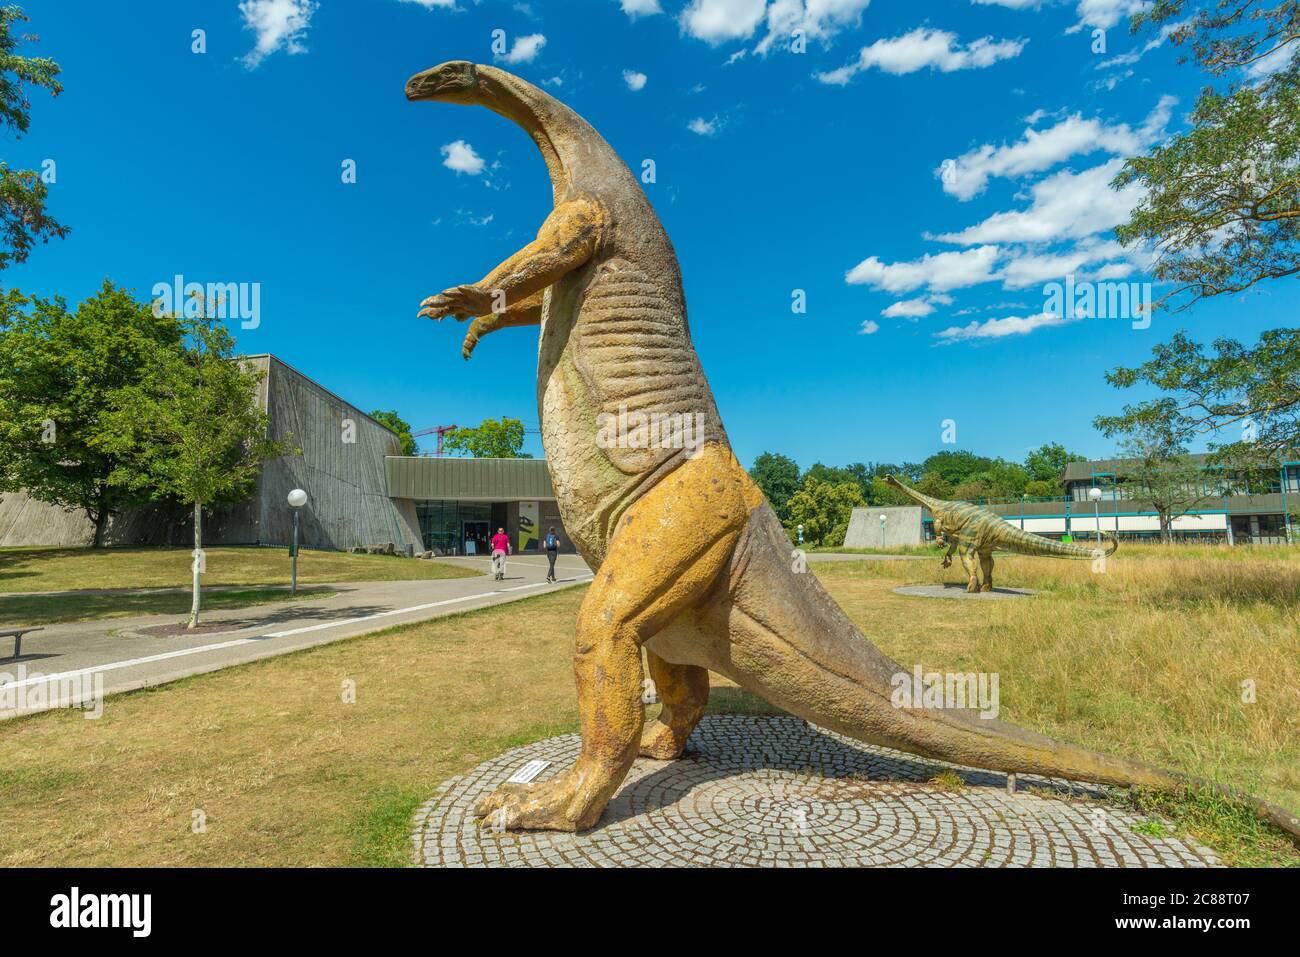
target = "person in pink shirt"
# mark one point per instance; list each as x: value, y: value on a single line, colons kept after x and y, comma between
x: 500, y: 549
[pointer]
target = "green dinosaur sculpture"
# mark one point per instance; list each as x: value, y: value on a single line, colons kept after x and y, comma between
x: 691, y: 564
x: 975, y: 533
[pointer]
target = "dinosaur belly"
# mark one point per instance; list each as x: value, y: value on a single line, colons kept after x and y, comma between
x: 622, y: 398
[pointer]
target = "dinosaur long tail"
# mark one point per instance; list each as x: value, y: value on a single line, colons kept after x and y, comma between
x: 1027, y: 543
x: 788, y: 642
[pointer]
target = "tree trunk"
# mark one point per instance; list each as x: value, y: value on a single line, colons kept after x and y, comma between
x: 198, y: 551
x: 101, y: 526
x: 1166, y: 537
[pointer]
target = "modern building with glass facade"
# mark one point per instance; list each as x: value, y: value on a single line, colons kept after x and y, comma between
x: 1235, y: 510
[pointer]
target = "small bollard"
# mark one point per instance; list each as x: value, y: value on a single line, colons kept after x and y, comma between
x: 1011, y: 784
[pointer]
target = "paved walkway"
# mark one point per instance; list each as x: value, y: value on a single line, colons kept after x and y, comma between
x: 76, y: 661
x: 778, y: 792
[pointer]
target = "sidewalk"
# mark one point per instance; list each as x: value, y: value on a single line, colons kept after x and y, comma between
x: 93, y: 658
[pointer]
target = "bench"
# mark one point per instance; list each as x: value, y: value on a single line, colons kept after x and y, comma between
x: 17, y: 635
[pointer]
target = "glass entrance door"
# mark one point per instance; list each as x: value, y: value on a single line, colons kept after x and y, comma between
x: 476, y: 537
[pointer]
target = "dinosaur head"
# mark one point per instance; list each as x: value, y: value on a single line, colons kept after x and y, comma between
x: 456, y: 81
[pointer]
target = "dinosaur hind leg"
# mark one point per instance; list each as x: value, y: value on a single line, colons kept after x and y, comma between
x: 684, y: 691
x: 986, y: 567
x: 970, y: 562
x: 664, y: 557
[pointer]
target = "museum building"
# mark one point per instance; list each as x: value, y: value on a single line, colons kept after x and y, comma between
x: 360, y: 491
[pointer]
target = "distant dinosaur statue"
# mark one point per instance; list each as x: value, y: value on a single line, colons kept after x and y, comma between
x: 974, y: 533
x: 691, y: 563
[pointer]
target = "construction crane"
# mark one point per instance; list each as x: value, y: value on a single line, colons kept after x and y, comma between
x: 438, y: 430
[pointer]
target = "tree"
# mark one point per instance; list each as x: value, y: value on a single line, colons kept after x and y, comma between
x: 492, y: 439
x: 1167, y: 477
x: 1255, y: 389
x: 395, y: 423
x: 1221, y: 202
x: 824, y: 510
x: 778, y: 477
x: 855, y: 474
x: 885, y: 494
x: 23, y: 218
x: 955, y: 467
x: 1045, y: 465
x: 193, y: 429
x: 59, y: 371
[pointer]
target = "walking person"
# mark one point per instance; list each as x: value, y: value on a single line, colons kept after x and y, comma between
x: 552, y: 551
x: 500, y: 549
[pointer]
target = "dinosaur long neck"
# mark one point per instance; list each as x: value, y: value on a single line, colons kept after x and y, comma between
x: 567, y: 142
x: 933, y: 504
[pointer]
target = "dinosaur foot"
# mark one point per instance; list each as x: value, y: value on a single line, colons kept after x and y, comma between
x: 987, y: 586
x: 552, y: 805
x: 973, y: 587
x: 660, y: 742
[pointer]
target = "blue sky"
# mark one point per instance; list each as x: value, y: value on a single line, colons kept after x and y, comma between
x: 823, y: 171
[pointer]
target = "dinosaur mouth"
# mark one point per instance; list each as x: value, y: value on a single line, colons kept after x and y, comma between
x: 447, y: 81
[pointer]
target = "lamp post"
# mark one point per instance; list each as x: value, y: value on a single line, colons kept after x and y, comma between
x: 882, y: 529
x: 297, y: 499
x: 799, y: 528
x: 1094, y: 493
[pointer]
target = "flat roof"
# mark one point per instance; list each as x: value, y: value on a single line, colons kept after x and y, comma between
x: 433, y: 477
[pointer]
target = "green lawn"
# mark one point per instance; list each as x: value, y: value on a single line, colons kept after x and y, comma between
x: 1146, y: 660
x: 50, y: 609
x: 66, y: 569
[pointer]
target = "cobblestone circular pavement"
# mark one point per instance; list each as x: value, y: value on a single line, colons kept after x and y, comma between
x: 779, y: 792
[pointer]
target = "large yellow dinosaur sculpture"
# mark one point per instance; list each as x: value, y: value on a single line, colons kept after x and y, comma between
x: 690, y: 562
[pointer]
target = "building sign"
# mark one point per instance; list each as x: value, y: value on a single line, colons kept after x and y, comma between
x: 527, y: 524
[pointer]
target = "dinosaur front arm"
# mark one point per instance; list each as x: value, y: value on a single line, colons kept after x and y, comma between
x: 566, y: 240
x: 526, y: 313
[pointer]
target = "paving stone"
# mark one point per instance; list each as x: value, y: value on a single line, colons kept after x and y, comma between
x: 778, y: 792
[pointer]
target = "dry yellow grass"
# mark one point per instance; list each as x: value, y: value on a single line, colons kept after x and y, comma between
x: 1138, y: 661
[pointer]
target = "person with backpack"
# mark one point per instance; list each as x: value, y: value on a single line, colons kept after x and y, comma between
x: 552, y: 551
x: 500, y: 549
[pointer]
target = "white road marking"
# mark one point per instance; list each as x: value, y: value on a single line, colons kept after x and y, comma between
x: 133, y: 662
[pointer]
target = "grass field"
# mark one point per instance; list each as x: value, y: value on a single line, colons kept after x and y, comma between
x: 97, y: 606
x: 1145, y: 660
x: 66, y: 569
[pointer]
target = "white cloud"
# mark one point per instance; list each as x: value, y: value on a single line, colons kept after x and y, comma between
x: 1104, y: 14
x: 1000, y: 328
x: 635, y: 81
x: 430, y: 4
x: 1066, y: 205
x: 717, y: 21
x: 1037, y: 150
x: 462, y: 158
x: 278, y: 24
x: 940, y: 272
x: 908, y: 309
x: 812, y: 19
x: 641, y: 8
x: 923, y: 47
x: 869, y: 326
x: 702, y: 126
x: 1277, y: 60
x: 524, y: 49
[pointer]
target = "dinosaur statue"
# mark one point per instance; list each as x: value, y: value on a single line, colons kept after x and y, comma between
x: 974, y: 533
x: 691, y: 564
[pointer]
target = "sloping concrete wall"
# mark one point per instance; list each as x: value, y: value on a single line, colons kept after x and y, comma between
x: 341, y: 468
x: 902, y: 526
x: 346, y: 483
